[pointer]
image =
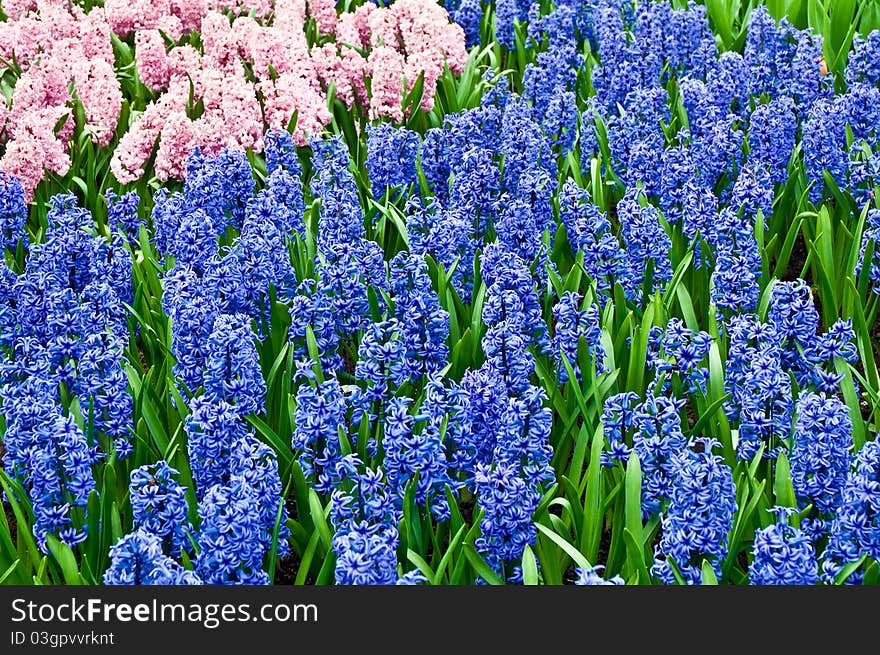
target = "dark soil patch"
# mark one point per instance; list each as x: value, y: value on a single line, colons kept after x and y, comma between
x: 11, y: 521
x: 466, y: 507
x: 348, y: 357
x: 743, y: 560
x: 7, y: 508
x: 690, y: 413
x: 874, y: 334
x: 286, y: 570
x: 604, y: 548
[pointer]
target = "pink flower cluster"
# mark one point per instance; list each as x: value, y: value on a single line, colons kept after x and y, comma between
x: 392, y: 46
x: 254, y: 70
x: 56, y: 46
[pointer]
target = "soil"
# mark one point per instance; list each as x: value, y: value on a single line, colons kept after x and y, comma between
x: 743, y: 560
x: 7, y: 508
x: 10, y: 520
x: 691, y: 414
x: 874, y: 333
x: 287, y: 567
x: 466, y: 507
x: 348, y: 360
x: 286, y: 570
x: 604, y: 548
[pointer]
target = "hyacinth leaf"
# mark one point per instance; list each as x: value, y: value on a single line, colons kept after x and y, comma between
x: 9, y: 554
x: 635, y: 553
x: 863, y: 343
x: 326, y: 572
x: 276, y: 532
x: 573, y: 553
x: 314, y: 354
x: 578, y: 456
x: 634, y: 497
x: 709, y: 415
x: 785, y: 251
x: 850, y: 396
x: 529, y: 567
x: 672, y: 288
x: 416, y: 559
x: 92, y: 546
x: 272, y: 438
x: 572, y: 503
x: 12, y: 491
x: 871, y: 578
x: 319, y: 516
x: 7, y: 574
x: 460, y: 570
x: 844, y: 19
x: 307, y: 558
x: 479, y: 564
x: 707, y: 576
x: 451, y: 550
x: 411, y: 530
x: 848, y: 569
x: 676, y: 572
x: 592, y: 526
x: 686, y: 305
x: 782, y: 486
x: 41, y: 575
x: 66, y: 560
x: 638, y: 350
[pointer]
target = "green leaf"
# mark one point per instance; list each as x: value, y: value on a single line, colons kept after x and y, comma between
x: 420, y: 563
x: 66, y: 560
x: 480, y: 566
x: 591, y: 532
x: 317, y: 513
x: 529, y: 567
x: 9, y: 571
x: 576, y: 556
x: 636, y: 556
x: 708, y: 574
x: 782, y: 486
x: 848, y: 569
x: 447, y: 556
x: 633, y: 507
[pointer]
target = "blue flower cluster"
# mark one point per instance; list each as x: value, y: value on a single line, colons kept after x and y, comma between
x: 700, y: 515
x: 855, y: 529
x: 593, y: 576
x: 137, y: 559
x: 365, y: 520
x: 763, y: 358
x: 63, y: 335
x: 391, y: 157
x: 319, y: 416
x: 231, y: 535
x: 820, y: 451
x: 651, y: 428
x: 13, y: 213
x: 411, y: 453
x: 423, y: 322
x: 679, y: 355
x: 158, y: 505
x: 572, y: 325
x: 783, y: 554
